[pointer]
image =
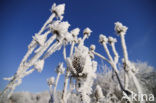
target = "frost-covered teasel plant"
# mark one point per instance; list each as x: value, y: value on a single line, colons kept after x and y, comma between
x: 83, y: 70
x: 113, y: 61
x: 79, y: 66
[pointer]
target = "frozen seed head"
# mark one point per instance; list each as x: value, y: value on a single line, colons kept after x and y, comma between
x: 120, y: 29
x: 112, y: 40
x: 59, y: 28
x: 58, y: 9
x: 51, y: 81
x: 70, y: 66
x: 60, y: 68
x: 82, y: 62
x: 103, y: 39
x: 92, y: 47
x: 76, y: 63
x: 39, y: 65
x: 67, y: 37
x: 87, y: 32
x: 75, y: 32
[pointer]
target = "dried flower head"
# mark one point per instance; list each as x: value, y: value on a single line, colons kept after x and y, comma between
x: 87, y: 31
x: 75, y: 32
x: 76, y: 63
x: 68, y: 38
x: 51, y: 81
x: 59, y: 28
x: 92, y: 47
x: 120, y: 29
x: 112, y: 40
x: 80, y: 62
x: 58, y: 10
x: 103, y: 39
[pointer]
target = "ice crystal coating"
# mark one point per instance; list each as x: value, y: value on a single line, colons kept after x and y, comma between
x: 87, y: 32
x: 103, y: 38
x: 111, y: 40
x: 39, y: 65
x: 58, y: 10
x: 120, y: 29
x: 60, y: 68
x: 51, y: 81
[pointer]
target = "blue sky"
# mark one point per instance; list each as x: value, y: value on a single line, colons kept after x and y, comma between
x: 20, y: 19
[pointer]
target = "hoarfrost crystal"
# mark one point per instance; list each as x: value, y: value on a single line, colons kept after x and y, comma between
x: 83, y: 68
